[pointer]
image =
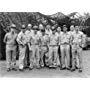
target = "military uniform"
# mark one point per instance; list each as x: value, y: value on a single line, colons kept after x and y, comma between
x: 27, y: 56
x: 77, y: 44
x: 71, y: 33
x: 65, y: 49
x: 59, y: 51
x: 53, y: 50
x: 22, y: 41
x: 35, y: 57
x: 43, y: 48
x: 10, y: 40
x: 48, y: 32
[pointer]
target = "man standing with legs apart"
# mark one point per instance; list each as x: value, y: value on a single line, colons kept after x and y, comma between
x: 35, y: 57
x: 28, y: 33
x: 72, y: 30
x: 22, y: 40
x: 77, y: 44
x: 10, y: 40
x: 58, y: 33
x: 65, y: 48
x: 43, y: 47
x: 53, y: 48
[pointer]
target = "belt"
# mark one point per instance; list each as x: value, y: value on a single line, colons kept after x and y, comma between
x: 10, y: 44
x: 43, y: 45
x: 64, y: 43
x: 53, y: 45
x: 77, y: 45
x: 34, y: 44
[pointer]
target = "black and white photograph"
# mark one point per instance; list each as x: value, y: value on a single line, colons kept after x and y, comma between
x: 42, y: 44
x: 33, y: 44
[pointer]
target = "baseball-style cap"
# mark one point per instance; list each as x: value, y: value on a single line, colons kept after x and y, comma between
x: 23, y: 26
x: 29, y: 25
x: 13, y: 25
x: 35, y: 27
x: 41, y: 26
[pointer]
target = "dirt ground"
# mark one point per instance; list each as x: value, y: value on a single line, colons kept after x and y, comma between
x: 49, y: 73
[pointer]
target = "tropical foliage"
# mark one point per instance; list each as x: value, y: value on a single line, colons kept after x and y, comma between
x: 35, y: 18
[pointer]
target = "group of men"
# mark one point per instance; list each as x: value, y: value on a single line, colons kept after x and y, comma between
x: 41, y: 46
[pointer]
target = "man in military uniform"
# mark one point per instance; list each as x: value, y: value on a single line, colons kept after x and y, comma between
x: 22, y: 41
x: 43, y: 47
x: 53, y: 48
x: 58, y: 33
x: 29, y: 29
x: 48, y: 32
x: 40, y: 30
x: 65, y: 48
x: 34, y: 43
x: 28, y: 33
x: 11, y: 45
x: 77, y: 44
x: 72, y: 30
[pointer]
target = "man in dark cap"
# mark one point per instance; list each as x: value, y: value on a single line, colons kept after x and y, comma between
x: 22, y: 41
x: 35, y: 57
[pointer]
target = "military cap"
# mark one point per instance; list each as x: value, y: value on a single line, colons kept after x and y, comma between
x: 35, y: 27
x: 29, y: 25
x: 23, y: 26
x: 41, y: 26
x: 13, y: 25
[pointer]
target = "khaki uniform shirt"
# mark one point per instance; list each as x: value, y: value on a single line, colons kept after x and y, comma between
x: 78, y: 38
x: 53, y: 39
x: 65, y: 38
x: 10, y: 40
x: 44, y: 39
x: 22, y: 38
x: 34, y: 39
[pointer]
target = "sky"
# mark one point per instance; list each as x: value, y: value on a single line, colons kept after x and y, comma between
x: 47, y: 7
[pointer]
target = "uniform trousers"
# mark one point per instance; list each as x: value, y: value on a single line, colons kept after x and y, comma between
x: 53, y: 55
x: 65, y: 55
x: 35, y: 56
x: 10, y: 56
x: 76, y: 56
x: 43, y: 51
x: 22, y: 52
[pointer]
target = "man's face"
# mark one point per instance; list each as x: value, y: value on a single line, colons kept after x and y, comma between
x: 59, y: 29
x: 41, y: 27
x: 29, y: 27
x: 48, y: 26
x: 23, y: 30
x: 64, y: 29
x: 76, y: 28
x: 72, y: 28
